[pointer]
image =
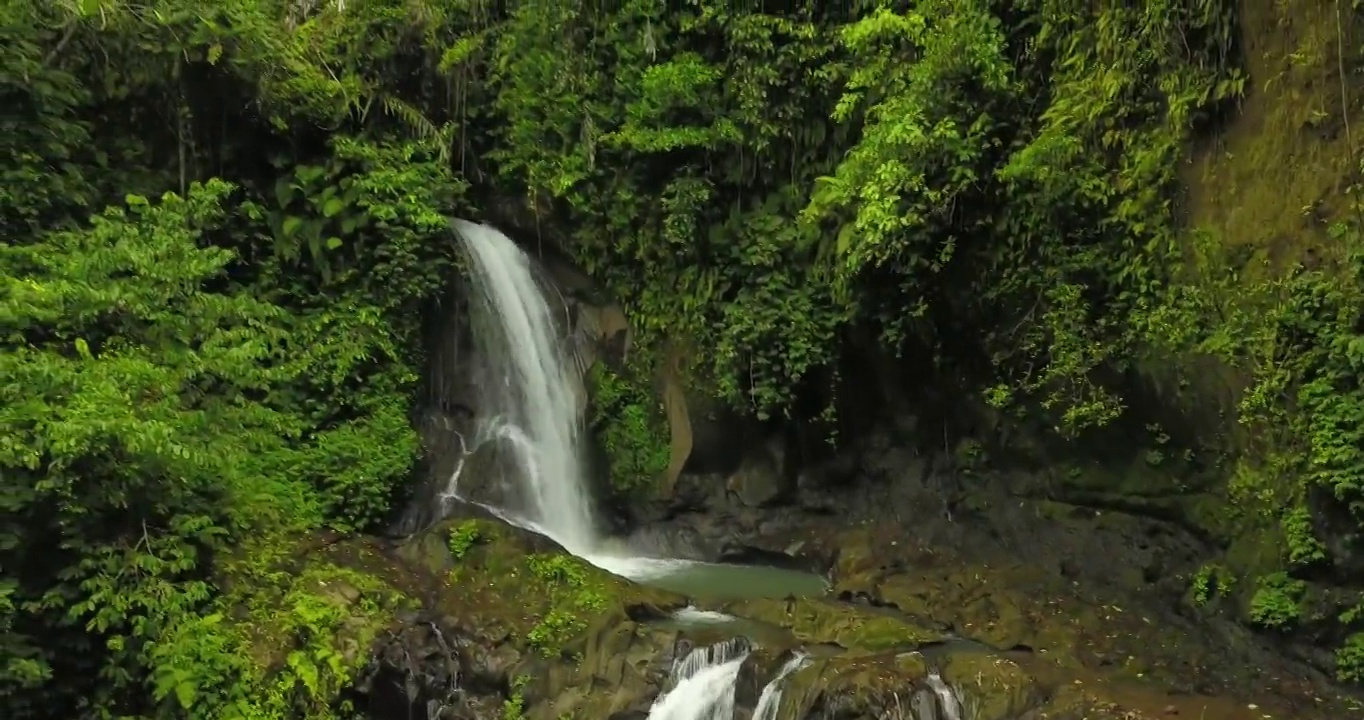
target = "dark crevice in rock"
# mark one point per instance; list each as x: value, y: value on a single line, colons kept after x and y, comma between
x: 749, y: 555
x: 1164, y: 509
x: 643, y: 613
x: 866, y: 600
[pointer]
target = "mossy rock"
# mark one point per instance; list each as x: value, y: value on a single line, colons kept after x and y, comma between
x: 878, y: 685
x: 514, y: 585
x: 991, y: 686
x: 993, y: 618
x: 853, y: 685
x: 349, y: 587
x: 295, y: 621
x: 912, y: 582
x: 621, y: 667
x: 822, y: 622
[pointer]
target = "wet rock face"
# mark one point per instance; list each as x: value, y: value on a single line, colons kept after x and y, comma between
x: 762, y: 479
x: 1040, y: 655
x: 447, y: 435
x: 508, y: 616
x: 427, y: 667
x: 899, y: 685
x: 431, y: 668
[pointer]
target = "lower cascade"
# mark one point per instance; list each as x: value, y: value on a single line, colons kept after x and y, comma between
x: 703, y: 684
x: 948, y: 702
x: 770, y: 699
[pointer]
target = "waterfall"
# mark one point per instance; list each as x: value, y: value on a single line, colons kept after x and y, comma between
x: 527, y: 380
x: 770, y: 699
x: 530, y: 380
x: 947, y: 698
x: 703, y: 684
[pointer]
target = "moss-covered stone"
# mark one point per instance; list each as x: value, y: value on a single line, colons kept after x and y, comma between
x: 991, y: 686
x: 821, y: 622
x: 350, y: 586
x: 622, y: 666
x: 1021, y: 606
x: 514, y: 584
x: 899, y: 685
x: 854, y: 686
x: 513, y: 616
x: 304, y: 615
x: 297, y: 617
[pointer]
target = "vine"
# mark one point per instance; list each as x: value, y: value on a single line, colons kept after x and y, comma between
x: 629, y: 422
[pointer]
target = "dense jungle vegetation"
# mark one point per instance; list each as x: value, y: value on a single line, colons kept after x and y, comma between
x: 225, y: 221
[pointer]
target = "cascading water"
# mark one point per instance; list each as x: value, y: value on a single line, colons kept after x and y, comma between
x: 947, y: 698
x: 703, y: 684
x: 531, y: 379
x: 529, y: 391
x: 770, y: 699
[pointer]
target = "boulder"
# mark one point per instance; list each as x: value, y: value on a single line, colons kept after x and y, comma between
x: 879, y: 685
x: 509, y: 616
x: 827, y: 623
x: 762, y: 478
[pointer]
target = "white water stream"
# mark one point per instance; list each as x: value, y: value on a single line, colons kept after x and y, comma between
x: 703, y: 684
x: 530, y: 391
x: 532, y: 380
x: 770, y: 699
x: 947, y: 697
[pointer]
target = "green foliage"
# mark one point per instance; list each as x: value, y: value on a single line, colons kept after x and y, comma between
x: 295, y: 641
x: 1211, y: 582
x: 1276, y: 603
x: 1350, y: 655
x: 180, y: 373
x: 1294, y: 335
x: 134, y: 458
x: 648, y: 136
x: 938, y: 171
x: 514, y: 707
x: 462, y: 537
x: 572, y: 594
x: 629, y: 422
x: 1350, y: 659
x: 969, y: 456
x: 126, y: 413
